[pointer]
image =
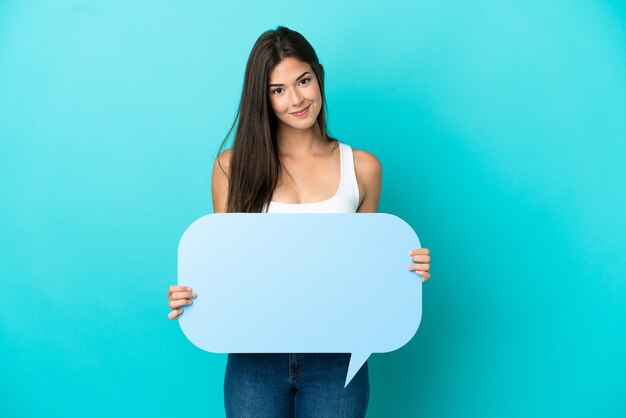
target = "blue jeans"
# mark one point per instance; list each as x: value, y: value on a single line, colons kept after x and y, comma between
x: 307, y: 385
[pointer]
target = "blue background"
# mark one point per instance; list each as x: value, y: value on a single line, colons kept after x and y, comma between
x: 501, y: 129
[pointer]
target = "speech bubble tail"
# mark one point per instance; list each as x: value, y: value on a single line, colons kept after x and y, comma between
x: 356, y: 362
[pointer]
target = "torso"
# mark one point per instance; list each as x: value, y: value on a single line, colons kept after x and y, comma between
x: 312, y: 179
x: 307, y: 192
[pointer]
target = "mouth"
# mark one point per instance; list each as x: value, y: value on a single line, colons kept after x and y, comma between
x: 301, y: 112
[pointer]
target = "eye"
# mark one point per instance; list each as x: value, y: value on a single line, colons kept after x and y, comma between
x: 308, y: 80
x: 275, y: 91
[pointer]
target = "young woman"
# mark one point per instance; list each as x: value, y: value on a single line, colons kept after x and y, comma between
x: 283, y: 160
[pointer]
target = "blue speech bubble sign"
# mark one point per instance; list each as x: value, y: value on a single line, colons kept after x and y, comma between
x: 300, y: 283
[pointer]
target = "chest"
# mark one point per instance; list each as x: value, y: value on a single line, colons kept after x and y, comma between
x: 312, y: 180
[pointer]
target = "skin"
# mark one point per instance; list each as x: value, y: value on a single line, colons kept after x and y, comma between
x: 311, y: 164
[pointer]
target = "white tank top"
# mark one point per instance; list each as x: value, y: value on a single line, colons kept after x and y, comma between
x: 345, y: 200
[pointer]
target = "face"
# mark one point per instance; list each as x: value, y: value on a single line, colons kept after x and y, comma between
x: 293, y: 87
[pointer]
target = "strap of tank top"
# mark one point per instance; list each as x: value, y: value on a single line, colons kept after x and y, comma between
x: 350, y: 184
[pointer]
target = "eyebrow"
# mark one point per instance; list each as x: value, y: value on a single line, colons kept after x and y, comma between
x: 303, y: 74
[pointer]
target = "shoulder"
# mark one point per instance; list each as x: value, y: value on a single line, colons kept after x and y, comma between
x: 368, y: 170
x: 366, y: 165
x: 219, y: 181
x: 222, y: 161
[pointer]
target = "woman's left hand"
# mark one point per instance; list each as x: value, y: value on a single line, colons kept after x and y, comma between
x: 422, y: 257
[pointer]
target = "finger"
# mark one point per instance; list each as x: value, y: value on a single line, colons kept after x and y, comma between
x: 182, y: 295
x: 175, y: 288
x: 423, y: 257
x: 178, y: 303
x: 174, y: 313
x: 419, y: 251
x: 419, y: 267
x: 425, y: 276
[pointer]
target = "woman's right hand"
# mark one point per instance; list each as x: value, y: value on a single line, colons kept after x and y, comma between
x: 179, y: 296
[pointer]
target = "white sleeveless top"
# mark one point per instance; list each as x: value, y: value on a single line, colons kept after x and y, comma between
x: 345, y: 199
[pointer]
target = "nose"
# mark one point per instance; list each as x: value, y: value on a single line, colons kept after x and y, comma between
x: 296, y: 97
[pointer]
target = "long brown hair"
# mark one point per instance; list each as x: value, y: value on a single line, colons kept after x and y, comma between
x: 255, y: 164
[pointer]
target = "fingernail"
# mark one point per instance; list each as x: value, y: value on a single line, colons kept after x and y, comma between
x: 189, y: 289
x: 193, y: 294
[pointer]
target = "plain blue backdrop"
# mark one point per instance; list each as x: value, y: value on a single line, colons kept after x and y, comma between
x: 501, y: 129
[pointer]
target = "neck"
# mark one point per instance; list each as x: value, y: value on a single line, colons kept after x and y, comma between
x: 294, y: 142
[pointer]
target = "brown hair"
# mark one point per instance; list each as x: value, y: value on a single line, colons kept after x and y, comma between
x: 255, y: 164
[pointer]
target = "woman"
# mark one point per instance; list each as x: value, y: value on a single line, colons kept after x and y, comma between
x: 283, y: 160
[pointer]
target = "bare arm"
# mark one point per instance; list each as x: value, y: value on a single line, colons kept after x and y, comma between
x: 180, y: 296
x: 369, y: 173
x: 369, y: 176
x: 219, y: 181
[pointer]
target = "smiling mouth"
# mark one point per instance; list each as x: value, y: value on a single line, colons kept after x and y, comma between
x: 301, y: 112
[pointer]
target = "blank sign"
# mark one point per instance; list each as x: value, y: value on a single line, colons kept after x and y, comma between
x: 300, y: 283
